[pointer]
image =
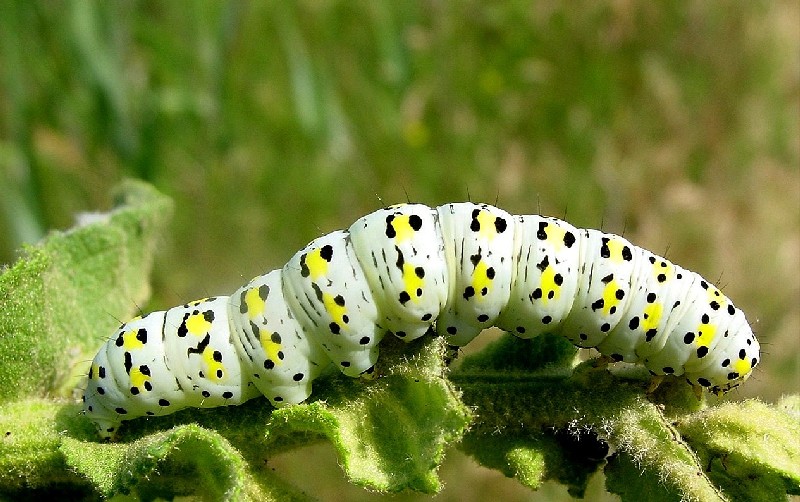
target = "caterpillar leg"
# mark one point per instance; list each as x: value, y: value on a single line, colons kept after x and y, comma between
x: 602, y: 362
x: 451, y: 354
x: 369, y: 374
x: 655, y: 382
x: 107, y: 429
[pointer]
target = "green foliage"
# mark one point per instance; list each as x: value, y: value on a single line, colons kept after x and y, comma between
x: 751, y: 441
x: 65, y: 295
x: 539, y: 418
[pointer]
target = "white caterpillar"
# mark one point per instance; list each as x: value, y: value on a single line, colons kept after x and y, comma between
x: 461, y: 268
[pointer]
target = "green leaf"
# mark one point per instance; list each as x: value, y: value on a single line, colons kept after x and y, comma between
x: 516, y: 457
x: 569, y: 457
x: 633, y: 482
x: 531, y: 454
x: 50, y: 447
x: 641, y: 432
x: 391, y: 433
x: 32, y: 432
x: 184, y: 460
x: 750, y: 441
x: 63, y: 297
x: 616, y: 410
x: 549, y: 353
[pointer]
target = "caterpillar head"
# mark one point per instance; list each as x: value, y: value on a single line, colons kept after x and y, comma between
x: 94, y: 400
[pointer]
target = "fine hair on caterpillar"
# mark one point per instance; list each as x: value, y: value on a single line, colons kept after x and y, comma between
x: 404, y: 269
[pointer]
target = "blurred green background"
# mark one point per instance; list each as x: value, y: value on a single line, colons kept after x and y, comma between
x: 270, y: 123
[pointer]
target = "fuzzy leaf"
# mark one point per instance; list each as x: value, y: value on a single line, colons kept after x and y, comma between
x: 68, y: 292
x: 646, y: 436
x: 547, y: 353
x: 596, y: 400
x: 749, y: 440
x: 390, y: 434
x: 32, y: 432
x: 516, y: 457
x: 634, y: 483
x: 185, y: 460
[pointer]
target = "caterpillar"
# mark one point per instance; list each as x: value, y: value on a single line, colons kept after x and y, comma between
x: 406, y: 269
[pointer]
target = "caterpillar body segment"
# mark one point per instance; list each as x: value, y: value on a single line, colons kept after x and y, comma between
x: 328, y: 293
x: 402, y: 256
x: 166, y: 361
x: 282, y: 360
x: 545, y: 270
x: 200, y: 355
x: 607, y: 265
x: 458, y: 268
x: 479, y: 245
x: 657, y: 302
